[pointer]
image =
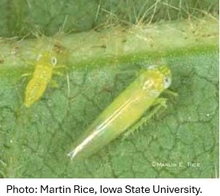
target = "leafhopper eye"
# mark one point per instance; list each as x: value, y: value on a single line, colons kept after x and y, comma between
x: 53, y: 60
x: 167, y: 82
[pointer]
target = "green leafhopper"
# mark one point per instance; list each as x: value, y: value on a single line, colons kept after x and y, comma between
x: 41, y: 77
x: 125, y: 111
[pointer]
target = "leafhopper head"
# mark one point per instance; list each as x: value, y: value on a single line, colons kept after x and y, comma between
x: 162, y: 72
x: 47, y: 59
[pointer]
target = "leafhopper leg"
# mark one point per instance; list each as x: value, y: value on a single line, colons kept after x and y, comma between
x: 60, y: 67
x: 169, y: 92
x: 158, y: 104
x: 57, y: 73
x: 26, y: 75
x: 53, y: 84
x: 57, y: 68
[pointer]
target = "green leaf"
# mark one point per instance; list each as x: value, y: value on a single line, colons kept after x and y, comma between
x: 34, y: 141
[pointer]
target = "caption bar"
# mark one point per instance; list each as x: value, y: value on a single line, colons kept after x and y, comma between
x: 105, y: 187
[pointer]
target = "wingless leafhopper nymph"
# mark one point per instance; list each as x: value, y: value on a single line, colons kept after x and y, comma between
x: 42, y: 75
x: 125, y: 112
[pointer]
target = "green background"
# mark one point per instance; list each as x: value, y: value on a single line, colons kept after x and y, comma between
x: 99, y: 64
